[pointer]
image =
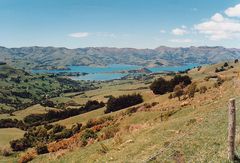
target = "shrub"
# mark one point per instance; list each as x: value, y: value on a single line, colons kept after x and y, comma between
x: 170, y: 96
x: 220, y: 69
x: 225, y: 64
x: 122, y: 102
x: 76, y: 128
x: 20, y: 144
x: 178, y: 90
x: 236, y: 61
x: 191, y: 90
x: 12, y: 123
x: 110, y: 132
x: 185, y: 80
x: 203, y: 89
x: 160, y: 86
x: 94, y: 122
x: 88, y: 133
x: 42, y: 148
x: 57, y: 128
x: 218, y: 82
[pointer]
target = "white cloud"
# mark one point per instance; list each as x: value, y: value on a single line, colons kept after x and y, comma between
x: 181, y: 40
x: 179, y: 31
x: 233, y: 11
x: 217, y: 17
x: 219, y: 28
x: 79, y: 34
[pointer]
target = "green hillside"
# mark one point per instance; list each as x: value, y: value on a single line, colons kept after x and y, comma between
x: 20, y: 89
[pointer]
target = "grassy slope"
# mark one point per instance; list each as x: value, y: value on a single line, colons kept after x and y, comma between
x: 20, y: 114
x: 8, y: 134
x: 203, y: 140
x: 196, y: 133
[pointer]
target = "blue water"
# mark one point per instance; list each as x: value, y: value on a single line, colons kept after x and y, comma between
x: 100, y: 76
x: 88, y: 69
x: 104, y: 73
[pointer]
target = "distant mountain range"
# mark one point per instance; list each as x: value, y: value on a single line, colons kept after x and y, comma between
x: 52, y: 57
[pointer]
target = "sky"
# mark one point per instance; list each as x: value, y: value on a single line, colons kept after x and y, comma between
x: 120, y: 23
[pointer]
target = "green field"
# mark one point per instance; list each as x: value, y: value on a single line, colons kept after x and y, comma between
x: 8, y: 134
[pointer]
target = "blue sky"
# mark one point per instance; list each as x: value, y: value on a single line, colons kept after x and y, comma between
x: 119, y: 23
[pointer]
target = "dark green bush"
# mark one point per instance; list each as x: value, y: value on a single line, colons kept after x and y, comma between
x: 162, y: 86
x: 20, y: 144
x: 225, y: 64
x: 42, y: 148
x: 122, y: 102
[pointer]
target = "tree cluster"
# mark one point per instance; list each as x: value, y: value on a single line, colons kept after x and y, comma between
x: 121, y: 102
x: 12, y: 123
x: 162, y: 86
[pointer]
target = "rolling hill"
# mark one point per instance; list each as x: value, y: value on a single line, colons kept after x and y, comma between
x: 52, y: 58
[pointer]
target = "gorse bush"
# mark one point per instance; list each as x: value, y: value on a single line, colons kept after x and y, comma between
x: 162, y: 86
x: 122, y: 102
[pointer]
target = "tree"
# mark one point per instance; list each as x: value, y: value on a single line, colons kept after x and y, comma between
x: 185, y: 80
x: 122, y: 102
x: 160, y: 86
x: 236, y: 61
